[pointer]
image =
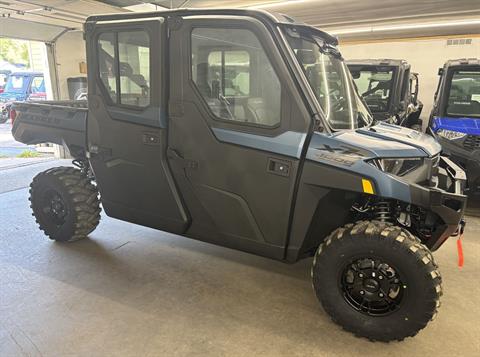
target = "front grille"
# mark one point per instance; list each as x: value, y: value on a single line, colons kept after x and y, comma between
x: 472, y: 142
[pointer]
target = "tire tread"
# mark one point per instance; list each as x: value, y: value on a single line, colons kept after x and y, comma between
x: 402, y: 239
x: 82, y: 193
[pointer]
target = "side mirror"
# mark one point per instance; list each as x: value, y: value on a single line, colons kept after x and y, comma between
x: 415, y: 93
x: 306, y: 57
x: 440, y: 71
x: 355, y: 74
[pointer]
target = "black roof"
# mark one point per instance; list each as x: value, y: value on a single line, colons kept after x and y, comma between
x: 463, y: 62
x: 262, y: 15
x: 26, y: 73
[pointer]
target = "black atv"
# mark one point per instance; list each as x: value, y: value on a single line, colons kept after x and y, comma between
x: 390, y: 89
x: 244, y: 129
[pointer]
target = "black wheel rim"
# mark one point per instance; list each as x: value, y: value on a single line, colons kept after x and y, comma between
x: 54, y: 207
x: 372, y: 286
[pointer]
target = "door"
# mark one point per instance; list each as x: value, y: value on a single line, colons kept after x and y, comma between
x: 37, y: 89
x: 126, y: 126
x: 236, y: 131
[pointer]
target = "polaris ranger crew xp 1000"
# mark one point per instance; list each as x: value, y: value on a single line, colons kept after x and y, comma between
x: 455, y: 117
x: 390, y: 89
x: 244, y: 129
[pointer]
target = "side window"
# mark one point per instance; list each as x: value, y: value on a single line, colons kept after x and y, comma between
x: 124, y: 66
x: 107, y: 63
x: 234, y: 76
x: 38, y: 85
x: 134, y: 56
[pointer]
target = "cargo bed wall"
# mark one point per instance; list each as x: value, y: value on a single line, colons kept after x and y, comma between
x: 58, y: 122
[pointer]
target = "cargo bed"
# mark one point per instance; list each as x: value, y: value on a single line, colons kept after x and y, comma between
x: 59, y: 122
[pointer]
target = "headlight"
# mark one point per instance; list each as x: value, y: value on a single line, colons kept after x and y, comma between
x: 450, y: 134
x: 398, y: 167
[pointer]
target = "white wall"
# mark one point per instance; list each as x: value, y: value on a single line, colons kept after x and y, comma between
x: 425, y: 56
x: 70, y: 51
x: 39, y: 63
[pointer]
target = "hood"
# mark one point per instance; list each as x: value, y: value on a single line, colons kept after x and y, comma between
x: 470, y: 126
x: 10, y: 97
x: 389, y: 133
x: 380, y: 141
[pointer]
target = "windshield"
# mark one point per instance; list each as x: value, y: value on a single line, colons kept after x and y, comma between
x: 15, y: 84
x: 374, y: 84
x: 464, y: 96
x: 330, y: 81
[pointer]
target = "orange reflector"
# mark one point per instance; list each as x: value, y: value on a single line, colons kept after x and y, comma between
x: 460, y: 251
x: 367, y: 186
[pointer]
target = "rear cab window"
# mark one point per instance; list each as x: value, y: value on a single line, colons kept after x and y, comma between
x: 16, y: 83
x: 124, y: 67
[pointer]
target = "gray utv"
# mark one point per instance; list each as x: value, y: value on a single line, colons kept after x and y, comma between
x: 244, y: 129
x: 390, y: 90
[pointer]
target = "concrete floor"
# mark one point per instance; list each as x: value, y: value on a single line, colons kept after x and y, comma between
x: 133, y: 291
x: 8, y: 146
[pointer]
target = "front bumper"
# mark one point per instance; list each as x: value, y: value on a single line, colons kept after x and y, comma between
x: 445, y: 198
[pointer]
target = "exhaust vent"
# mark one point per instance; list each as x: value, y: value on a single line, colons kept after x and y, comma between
x: 459, y: 41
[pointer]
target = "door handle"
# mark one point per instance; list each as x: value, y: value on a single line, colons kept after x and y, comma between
x: 150, y: 138
x: 279, y: 167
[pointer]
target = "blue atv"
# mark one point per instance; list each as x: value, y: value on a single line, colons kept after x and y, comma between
x: 19, y: 87
x: 455, y: 117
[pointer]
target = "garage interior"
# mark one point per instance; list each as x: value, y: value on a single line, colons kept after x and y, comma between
x: 134, y: 291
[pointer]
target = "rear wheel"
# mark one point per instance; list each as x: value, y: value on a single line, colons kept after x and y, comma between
x: 377, y: 281
x: 65, y: 203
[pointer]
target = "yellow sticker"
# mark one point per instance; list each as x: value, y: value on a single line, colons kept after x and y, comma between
x: 367, y: 186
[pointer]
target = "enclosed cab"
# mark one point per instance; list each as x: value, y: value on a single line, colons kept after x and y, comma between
x: 455, y: 117
x: 390, y: 89
x: 244, y: 129
x: 21, y: 86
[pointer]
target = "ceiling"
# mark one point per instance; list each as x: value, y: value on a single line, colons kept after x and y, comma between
x: 353, y: 20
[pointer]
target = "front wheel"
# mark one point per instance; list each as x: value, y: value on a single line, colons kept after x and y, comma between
x: 376, y: 280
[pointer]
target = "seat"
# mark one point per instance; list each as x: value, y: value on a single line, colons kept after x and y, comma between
x: 202, y: 81
x: 256, y: 111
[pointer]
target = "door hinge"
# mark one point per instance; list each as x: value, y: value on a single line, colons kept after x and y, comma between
x: 174, y: 22
x: 175, y: 109
x: 99, y: 150
x: 174, y: 155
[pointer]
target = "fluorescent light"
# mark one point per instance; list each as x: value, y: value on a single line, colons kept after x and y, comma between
x: 144, y: 7
x: 277, y: 3
x: 404, y: 27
